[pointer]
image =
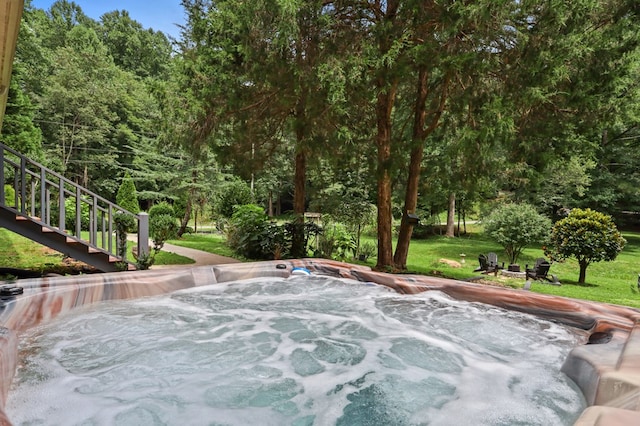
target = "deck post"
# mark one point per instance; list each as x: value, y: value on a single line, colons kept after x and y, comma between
x: 143, y: 234
x: 61, y: 207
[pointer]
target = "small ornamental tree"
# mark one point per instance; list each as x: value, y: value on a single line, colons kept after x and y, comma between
x: 588, y: 236
x: 515, y: 226
x: 163, y: 225
x: 127, y: 197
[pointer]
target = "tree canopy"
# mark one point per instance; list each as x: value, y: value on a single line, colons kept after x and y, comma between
x: 409, y: 105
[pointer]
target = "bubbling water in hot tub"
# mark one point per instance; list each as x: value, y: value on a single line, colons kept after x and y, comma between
x: 299, y: 351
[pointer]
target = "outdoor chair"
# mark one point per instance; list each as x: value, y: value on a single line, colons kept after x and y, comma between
x: 484, y: 265
x: 540, y: 272
x: 488, y: 264
x: 492, y: 264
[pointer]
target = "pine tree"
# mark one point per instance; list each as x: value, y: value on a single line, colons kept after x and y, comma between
x: 18, y: 130
x: 127, y: 197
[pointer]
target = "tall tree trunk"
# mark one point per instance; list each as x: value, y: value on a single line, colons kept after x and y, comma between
x: 464, y: 221
x: 195, y: 221
x: 189, y: 207
x: 386, y: 98
x: 420, y: 132
x: 85, y: 177
x: 410, y: 204
x: 386, y: 87
x: 413, y: 180
x: 186, y: 218
x: 459, y: 219
x: 451, y: 216
x: 297, y: 239
x: 270, y: 206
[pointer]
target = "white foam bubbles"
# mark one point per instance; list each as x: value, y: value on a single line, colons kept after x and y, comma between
x: 306, y: 350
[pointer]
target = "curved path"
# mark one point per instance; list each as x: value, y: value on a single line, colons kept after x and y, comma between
x: 201, y: 258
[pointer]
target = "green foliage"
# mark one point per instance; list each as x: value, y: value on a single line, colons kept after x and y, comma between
x: 349, y: 204
x: 9, y: 195
x: 586, y: 235
x: 276, y: 241
x: 143, y: 52
x: 515, y: 226
x: 124, y: 223
x: 250, y: 233
x: 162, y: 227
x: 18, y: 130
x: 232, y: 194
x: 367, y: 250
x: 144, y: 261
x: 162, y: 208
x: 246, y: 231
x: 70, y: 214
x: 336, y: 243
x: 126, y: 197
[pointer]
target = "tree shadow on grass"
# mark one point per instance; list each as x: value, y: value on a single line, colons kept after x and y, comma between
x: 633, y: 243
x: 577, y: 284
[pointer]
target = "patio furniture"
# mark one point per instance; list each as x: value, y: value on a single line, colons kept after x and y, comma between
x: 540, y: 272
x: 482, y: 260
x: 489, y: 264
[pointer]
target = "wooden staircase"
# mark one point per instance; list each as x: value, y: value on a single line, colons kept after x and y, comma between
x: 35, y: 201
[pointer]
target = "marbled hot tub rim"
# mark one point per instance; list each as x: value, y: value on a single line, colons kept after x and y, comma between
x: 607, y: 370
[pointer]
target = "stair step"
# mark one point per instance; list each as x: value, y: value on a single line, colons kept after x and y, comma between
x: 21, y: 218
x: 51, y: 230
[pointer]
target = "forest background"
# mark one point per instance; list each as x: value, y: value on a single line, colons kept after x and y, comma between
x: 418, y: 108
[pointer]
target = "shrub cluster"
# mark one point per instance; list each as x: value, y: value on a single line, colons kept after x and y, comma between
x: 515, y: 226
x: 251, y: 234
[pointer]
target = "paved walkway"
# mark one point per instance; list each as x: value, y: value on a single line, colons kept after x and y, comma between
x: 201, y: 258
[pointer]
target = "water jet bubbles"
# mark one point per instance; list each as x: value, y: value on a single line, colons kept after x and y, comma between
x: 304, y: 364
x: 303, y: 350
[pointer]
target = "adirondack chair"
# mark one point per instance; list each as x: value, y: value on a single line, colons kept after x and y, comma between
x: 488, y: 264
x: 484, y: 264
x: 492, y: 264
x: 540, y: 271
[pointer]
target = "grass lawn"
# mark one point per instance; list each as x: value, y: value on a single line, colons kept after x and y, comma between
x: 611, y: 282
x: 22, y: 253
x: 210, y: 242
x: 19, y: 252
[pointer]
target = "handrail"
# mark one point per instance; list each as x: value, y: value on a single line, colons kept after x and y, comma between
x: 34, y: 185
